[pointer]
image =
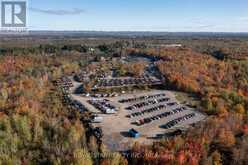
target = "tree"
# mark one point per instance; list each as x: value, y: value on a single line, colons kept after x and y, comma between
x: 82, y: 157
x: 114, y: 159
x: 3, y: 97
x: 239, y: 108
x: 104, y: 48
x: 93, y: 145
x: 137, y: 69
x: 22, y: 126
x: 208, y: 105
x: 226, y: 138
x: 221, y: 110
x: 245, y: 129
x: 181, y: 158
x: 216, y: 157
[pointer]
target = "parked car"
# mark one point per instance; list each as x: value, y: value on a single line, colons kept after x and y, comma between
x: 133, y: 133
x: 96, y: 119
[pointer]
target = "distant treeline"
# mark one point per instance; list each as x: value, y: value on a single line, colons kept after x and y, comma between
x: 103, y: 48
x: 48, y: 49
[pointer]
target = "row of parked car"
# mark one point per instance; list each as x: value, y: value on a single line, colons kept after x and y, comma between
x: 147, y: 111
x: 81, y: 77
x: 153, y: 118
x: 147, y: 103
x: 129, y: 100
x: 104, y: 105
x: 77, y: 105
x: 96, y: 131
x: 64, y: 82
x: 159, y: 116
x: 172, y: 123
x: 172, y: 104
x: 99, y: 95
x: 115, y: 82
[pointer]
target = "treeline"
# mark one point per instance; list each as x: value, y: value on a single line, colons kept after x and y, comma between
x: 116, y: 48
x: 44, y: 49
x: 58, y: 48
x: 221, y: 48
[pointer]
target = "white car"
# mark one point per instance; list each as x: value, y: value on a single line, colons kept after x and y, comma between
x: 97, y: 119
x: 110, y: 111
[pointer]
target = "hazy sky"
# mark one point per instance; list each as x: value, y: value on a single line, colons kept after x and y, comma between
x: 139, y: 15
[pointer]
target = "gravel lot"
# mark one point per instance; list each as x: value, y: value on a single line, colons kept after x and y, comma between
x: 115, y: 126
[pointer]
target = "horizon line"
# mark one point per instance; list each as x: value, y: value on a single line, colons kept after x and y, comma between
x: 137, y: 31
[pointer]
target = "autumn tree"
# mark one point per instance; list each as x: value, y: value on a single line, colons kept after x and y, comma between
x: 239, y: 108
x: 216, y: 157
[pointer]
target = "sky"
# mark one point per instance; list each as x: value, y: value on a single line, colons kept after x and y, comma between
x: 139, y: 15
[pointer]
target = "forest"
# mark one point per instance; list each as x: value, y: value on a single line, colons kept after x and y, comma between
x: 35, y: 127
x: 222, y: 87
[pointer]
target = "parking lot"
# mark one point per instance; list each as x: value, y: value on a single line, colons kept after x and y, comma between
x: 156, y: 112
x: 151, y: 113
